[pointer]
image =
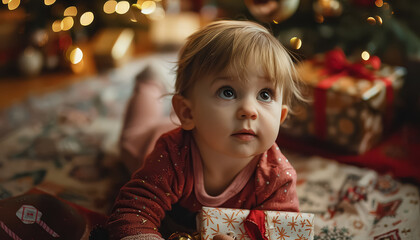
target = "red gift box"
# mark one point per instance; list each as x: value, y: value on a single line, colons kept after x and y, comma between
x: 350, y: 104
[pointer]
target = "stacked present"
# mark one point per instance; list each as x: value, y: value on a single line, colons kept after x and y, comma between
x: 255, y: 224
x: 350, y: 104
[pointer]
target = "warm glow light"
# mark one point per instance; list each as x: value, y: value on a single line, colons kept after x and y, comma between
x: 295, y: 42
x: 365, y: 55
x: 109, y: 6
x: 49, y: 2
x: 137, y: 6
x: 122, y: 44
x: 78, y: 67
x: 6, y: 1
x: 13, y: 4
x: 70, y: 11
x: 158, y: 14
x: 379, y: 3
x: 122, y: 7
x: 67, y: 23
x: 86, y: 18
x: 371, y: 20
x: 56, y: 26
x: 148, y: 7
x: 76, y: 55
x: 379, y: 20
x: 319, y: 18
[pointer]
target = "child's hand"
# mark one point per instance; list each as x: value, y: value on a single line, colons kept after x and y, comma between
x: 223, y: 237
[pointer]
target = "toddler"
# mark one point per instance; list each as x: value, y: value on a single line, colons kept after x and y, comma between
x: 233, y: 87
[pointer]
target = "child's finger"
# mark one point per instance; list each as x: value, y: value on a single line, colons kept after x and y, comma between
x: 222, y: 237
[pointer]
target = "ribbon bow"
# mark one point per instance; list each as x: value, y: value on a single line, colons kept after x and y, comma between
x: 255, y: 225
x: 336, y: 66
x: 336, y: 62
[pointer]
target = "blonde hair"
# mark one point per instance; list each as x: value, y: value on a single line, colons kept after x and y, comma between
x: 230, y: 44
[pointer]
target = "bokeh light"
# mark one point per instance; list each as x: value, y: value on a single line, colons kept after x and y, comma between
x: 109, y: 6
x: 13, y: 4
x: 371, y: 20
x: 148, y: 7
x: 86, y: 18
x: 56, y: 26
x: 76, y: 55
x: 158, y: 14
x: 67, y: 23
x: 70, y: 11
x: 365, y: 55
x: 122, y: 7
x: 49, y: 2
x: 378, y: 20
x: 379, y: 3
x: 295, y: 42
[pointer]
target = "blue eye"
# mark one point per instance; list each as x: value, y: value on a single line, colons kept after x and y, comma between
x: 265, y: 95
x: 226, y: 93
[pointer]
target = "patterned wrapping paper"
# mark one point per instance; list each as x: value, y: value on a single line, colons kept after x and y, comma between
x: 350, y: 107
x: 277, y: 224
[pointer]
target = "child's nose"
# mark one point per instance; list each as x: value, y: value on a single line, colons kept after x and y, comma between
x: 247, y: 110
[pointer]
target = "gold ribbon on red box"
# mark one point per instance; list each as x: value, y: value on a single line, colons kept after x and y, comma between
x: 337, y: 66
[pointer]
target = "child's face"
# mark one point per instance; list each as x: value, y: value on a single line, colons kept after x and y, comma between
x: 236, y: 118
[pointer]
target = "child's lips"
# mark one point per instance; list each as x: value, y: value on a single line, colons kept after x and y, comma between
x: 245, y: 135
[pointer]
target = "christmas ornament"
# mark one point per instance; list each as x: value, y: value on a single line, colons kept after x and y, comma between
x: 295, y: 42
x: 272, y: 11
x: 328, y: 8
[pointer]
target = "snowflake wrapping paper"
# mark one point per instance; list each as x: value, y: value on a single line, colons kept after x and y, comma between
x: 278, y: 225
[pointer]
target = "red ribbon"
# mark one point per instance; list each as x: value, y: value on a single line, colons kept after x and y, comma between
x: 337, y: 66
x: 255, y: 225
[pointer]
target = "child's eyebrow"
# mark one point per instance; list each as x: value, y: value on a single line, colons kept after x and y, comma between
x: 221, y: 78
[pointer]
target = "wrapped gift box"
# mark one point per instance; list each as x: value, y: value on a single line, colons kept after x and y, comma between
x: 268, y: 225
x: 350, y: 104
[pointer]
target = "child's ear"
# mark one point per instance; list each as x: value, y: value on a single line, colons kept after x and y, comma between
x: 284, y: 111
x: 182, y: 107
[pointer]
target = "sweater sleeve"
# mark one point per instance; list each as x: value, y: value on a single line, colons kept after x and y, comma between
x: 141, y: 203
x: 284, y: 197
x: 276, y: 183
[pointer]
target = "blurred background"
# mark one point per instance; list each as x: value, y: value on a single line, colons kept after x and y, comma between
x: 47, y: 45
x: 56, y: 39
x: 68, y: 68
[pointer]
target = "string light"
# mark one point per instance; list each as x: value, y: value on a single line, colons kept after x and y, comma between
x: 76, y: 55
x: 70, y: 11
x: 67, y: 23
x: 13, y: 4
x: 109, y: 6
x: 371, y: 20
x: 365, y: 55
x: 148, y: 7
x: 56, y: 26
x: 378, y: 19
x: 86, y: 18
x: 49, y: 2
x: 122, y: 7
